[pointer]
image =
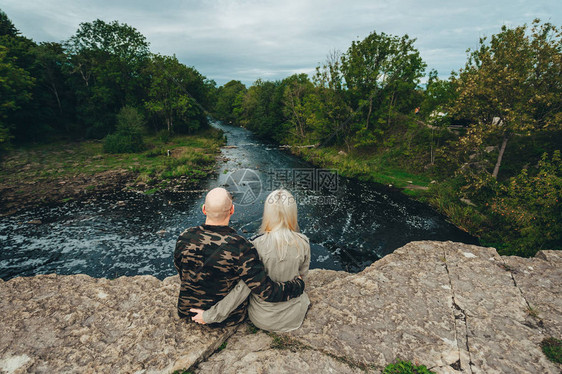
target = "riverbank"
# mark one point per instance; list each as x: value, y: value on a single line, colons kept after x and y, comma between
x: 36, y: 175
x: 370, y: 168
x: 440, y: 195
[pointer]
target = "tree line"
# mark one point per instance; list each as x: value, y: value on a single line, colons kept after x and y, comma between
x: 490, y: 134
x: 77, y: 88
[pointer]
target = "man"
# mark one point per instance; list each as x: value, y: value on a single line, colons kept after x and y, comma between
x: 212, y: 258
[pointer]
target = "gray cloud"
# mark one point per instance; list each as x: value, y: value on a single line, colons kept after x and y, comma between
x: 250, y: 39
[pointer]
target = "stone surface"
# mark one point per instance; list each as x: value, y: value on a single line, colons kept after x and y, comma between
x: 450, y: 306
x: 400, y: 306
x: 250, y: 353
x: 538, y: 279
x: 493, y: 329
x: 60, y: 324
x: 319, y: 277
x: 453, y: 307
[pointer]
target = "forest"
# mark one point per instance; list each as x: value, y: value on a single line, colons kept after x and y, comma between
x: 79, y: 88
x: 482, y: 147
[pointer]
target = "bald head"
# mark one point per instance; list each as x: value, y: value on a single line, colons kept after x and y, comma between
x: 218, y: 204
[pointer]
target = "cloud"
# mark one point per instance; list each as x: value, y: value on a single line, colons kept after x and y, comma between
x: 250, y: 39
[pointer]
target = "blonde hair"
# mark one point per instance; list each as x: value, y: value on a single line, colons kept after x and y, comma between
x: 279, y: 222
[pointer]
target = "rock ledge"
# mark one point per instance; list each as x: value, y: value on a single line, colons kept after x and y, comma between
x: 453, y: 307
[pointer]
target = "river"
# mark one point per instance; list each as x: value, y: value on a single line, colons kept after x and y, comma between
x: 350, y: 223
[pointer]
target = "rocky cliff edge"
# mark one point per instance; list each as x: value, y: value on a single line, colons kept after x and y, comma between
x: 453, y: 307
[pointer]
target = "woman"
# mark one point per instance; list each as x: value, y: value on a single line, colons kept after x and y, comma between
x: 285, y: 252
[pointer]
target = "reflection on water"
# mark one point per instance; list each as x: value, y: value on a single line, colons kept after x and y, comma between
x: 349, y: 226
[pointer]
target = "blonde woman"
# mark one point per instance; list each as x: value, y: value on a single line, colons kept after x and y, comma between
x: 285, y: 252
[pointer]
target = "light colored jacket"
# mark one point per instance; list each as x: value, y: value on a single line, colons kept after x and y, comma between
x: 281, y: 267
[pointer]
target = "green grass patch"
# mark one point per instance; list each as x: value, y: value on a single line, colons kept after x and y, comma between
x: 406, y: 367
x: 151, y: 191
x: 369, y: 167
x: 189, y: 155
x: 552, y: 348
x: 251, y: 328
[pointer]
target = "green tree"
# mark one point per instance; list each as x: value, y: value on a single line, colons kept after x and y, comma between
x: 512, y: 85
x: 53, y: 98
x: 128, y: 135
x: 333, y: 115
x: 295, y: 97
x: 7, y: 28
x: 15, y: 91
x: 438, y: 96
x: 51, y: 58
x: 381, y: 74
x: 528, y: 208
x: 229, y: 101
x: 22, y: 116
x: 262, y: 110
x: 105, y: 65
x: 175, y: 95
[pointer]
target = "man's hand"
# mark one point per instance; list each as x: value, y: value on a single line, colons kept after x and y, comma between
x: 198, y: 316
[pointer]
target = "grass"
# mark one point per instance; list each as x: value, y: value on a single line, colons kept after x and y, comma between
x: 366, y: 166
x: 190, y: 155
x: 406, y: 367
x: 533, y: 312
x: 552, y: 348
x: 284, y: 342
x: 251, y: 328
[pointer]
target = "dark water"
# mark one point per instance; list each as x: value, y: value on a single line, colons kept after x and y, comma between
x: 350, y: 223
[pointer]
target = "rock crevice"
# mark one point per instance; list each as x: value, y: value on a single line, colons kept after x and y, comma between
x: 461, y: 329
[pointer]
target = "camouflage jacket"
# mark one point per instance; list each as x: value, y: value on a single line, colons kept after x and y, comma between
x: 211, y: 260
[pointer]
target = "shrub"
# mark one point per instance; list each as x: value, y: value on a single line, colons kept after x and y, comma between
x: 406, y: 367
x: 5, y: 139
x: 528, y: 208
x: 164, y: 136
x: 128, y: 136
x: 552, y: 348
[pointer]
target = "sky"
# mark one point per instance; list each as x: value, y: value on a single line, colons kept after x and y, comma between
x: 248, y: 39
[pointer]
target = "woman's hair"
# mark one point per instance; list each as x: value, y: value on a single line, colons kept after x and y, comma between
x: 279, y: 212
x: 280, y: 221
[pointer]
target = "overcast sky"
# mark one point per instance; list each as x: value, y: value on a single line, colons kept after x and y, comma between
x: 247, y: 40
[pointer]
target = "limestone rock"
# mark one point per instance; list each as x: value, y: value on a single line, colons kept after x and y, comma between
x: 400, y: 306
x: 538, y: 279
x: 496, y: 337
x: 250, y: 353
x: 56, y: 324
x: 450, y: 306
x: 453, y: 307
x: 319, y: 277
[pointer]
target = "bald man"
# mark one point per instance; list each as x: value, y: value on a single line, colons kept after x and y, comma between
x: 212, y: 258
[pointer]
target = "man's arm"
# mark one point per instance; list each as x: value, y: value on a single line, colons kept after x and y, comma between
x: 222, y: 309
x: 252, y: 271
